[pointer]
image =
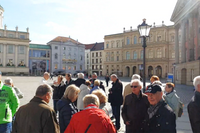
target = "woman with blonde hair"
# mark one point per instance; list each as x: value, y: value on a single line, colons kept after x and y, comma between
x: 66, y: 106
x: 96, y: 86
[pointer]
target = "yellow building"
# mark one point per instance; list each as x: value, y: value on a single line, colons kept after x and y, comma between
x: 123, y: 52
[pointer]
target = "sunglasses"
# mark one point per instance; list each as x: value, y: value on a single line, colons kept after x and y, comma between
x: 134, y: 86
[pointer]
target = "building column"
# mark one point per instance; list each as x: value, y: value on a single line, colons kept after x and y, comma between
x: 191, y: 38
x: 176, y: 45
x: 16, y: 55
x: 27, y: 56
x: 131, y: 71
x: 4, y: 54
x: 183, y: 48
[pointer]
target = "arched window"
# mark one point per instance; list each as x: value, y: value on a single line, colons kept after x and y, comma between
x: 56, y: 56
x: 150, y: 53
x: 141, y: 54
x: 128, y: 41
x: 158, y: 52
x: 134, y: 55
x: 135, y: 40
x: 127, y: 55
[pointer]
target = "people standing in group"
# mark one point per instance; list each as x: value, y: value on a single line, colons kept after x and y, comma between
x: 115, y: 98
x: 94, y: 77
x: 134, y: 108
x: 91, y: 119
x: 194, y: 107
x: 96, y: 86
x: 66, y: 107
x: 171, y: 98
x: 9, y: 104
x: 160, y: 117
x: 84, y: 90
x: 69, y: 80
x: 128, y: 89
x: 58, y: 90
x: 107, y: 78
x: 37, y: 116
x: 80, y: 80
x: 46, y: 79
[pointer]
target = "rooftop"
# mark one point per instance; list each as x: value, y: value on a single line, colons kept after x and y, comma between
x: 64, y: 39
x: 89, y: 46
x: 1, y: 7
x: 39, y: 46
x: 98, y: 46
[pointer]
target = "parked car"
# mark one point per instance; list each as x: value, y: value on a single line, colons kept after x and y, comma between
x: 59, y: 72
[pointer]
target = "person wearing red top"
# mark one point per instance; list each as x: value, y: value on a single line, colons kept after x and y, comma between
x: 91, y: 119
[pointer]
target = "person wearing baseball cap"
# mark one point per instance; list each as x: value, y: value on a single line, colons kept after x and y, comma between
x: 160, y: 117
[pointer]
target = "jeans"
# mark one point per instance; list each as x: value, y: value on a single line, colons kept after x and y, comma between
x: 116, y: 113
x: 55, y: 105
x: 6, y: 128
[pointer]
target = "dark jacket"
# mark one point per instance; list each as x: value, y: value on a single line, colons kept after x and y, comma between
x: 79, y: 81
x: 66, y: 109
x: 58, y: 90
x: 134, y: 111
x: 194, y: 112
x: 70, y: 83
x: 115, y: 93
x: 164, y: 121
x: 107, y: 78
x: 36, y: 117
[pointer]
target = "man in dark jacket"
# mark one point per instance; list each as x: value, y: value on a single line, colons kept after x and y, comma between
x: 194, y: 107
x: 107, y: 78
x: 135, y: 106
x: 160, y: 118
x: 80, y: 80
x: 37, y: 116
x: 69, y: 80
x: 115, y: 98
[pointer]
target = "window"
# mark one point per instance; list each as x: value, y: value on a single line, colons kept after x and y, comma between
x: 93, y: 67
x: 74, y: 67
x: 96, y: 54
x: 141, y: 54
x: 87, y: 61
x: 56, y: 47
x: 64, y: 48
x: 117, y: 58
x: 10, y: 35
x: 192, y: 74
x: 100, y: 66
x: 159, y: 38
x: 21, y: 49
x: 112, y: 45
x: 81, y: 57
x: 97, y: 67
x: 96, y: 60
x: 1, y: 48
x: 158, y: 52
x: 87, y: 55
x: 173, y: 54
x: 107, y: 58
x: 69, y: 67
x: 107, y: 45
x: 172, y: 38
x: 69, y: 56
x: 56, y: 56
x: 112, y: 58
x: 63, y: 66
x: 150, y: 53
x: 64, y: 55
x: 127, y: 41
x: 100, y: 60
x: 134, y: 55
x: 56, y: 66
x: 22, y: 37
x: 135, y: 40
x: 48, y: 54
x: 127, y: 55
x: 92, y: 54
x: 117, y: 44
x: 92, y: 60
x: 100, y: 54
x: 10, y: 49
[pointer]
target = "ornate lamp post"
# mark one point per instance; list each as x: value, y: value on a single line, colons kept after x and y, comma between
x: 174, y: 65
x: 144, y: 30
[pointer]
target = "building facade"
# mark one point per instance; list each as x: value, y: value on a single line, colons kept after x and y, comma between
x: 67, y: 54
x: 88, y: 66
x: 96, y: 55
x: 39, y: 59
x: 186, y: 17
x: 14, y: 50
x: 123, y: 52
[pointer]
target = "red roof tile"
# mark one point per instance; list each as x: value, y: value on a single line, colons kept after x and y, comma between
x: 89, y: 46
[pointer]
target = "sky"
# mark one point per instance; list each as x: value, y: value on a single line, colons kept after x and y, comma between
x: 87, y: 21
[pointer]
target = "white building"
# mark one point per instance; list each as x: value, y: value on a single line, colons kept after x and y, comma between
x: 88, y: 66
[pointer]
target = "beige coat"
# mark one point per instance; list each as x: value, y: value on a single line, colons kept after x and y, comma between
x: 127, y: 90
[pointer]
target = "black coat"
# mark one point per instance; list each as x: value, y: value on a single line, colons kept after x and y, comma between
x: 66, y: 110
x: 164, y: 121
x: 70, y: 82
x: 107, y: 79
x: 134, y: 111
x: 115, y: 93
x: 194, y: 112
x: 58, y: 90
x: 79, y: 81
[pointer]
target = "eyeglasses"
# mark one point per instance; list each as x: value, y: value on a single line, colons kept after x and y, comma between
x: 134, y: 86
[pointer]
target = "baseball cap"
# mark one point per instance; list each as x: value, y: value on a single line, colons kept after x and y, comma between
x: 153, y: 88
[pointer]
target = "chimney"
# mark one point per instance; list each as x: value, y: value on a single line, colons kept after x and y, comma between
x: 27, y: 29
x: 163, y: 23
x: 154, y: 24
x: 124, y: 29
x: 131, y: 28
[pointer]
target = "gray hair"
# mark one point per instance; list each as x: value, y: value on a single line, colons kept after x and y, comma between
x: 81, y: 75
x: 114, y: 75
x: 94, y: 74
x: 46, y: 73
x: 8, y: 81
x: 196, y: 81
x: 136, y: 81
x: 71, y: 92
x: 90, y: 99
x: 43, y: 90
x: 135, y: 76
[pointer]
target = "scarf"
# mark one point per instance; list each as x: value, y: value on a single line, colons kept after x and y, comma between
x: 154, y: 108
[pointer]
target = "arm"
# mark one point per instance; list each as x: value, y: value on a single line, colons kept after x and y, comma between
x: 66, y: 115
x: 194, y: 117
x: 14, y: 101
x: 124, y: 112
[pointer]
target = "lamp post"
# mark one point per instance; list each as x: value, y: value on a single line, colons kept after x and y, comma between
x: 174, y: 65
x: 144, y: 30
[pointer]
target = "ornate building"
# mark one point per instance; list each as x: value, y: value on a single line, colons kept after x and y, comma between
x: 123, y: 52
x: 186, y: 17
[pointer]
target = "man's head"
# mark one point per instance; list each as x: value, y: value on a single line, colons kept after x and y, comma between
x: 90, y: 99
x: 113, y: 77
x: 94, y: 76
x: 8, y: 81
x: 154, y: 78
x: 136, y: 86
x: 154, y: 93
x: 68, y: 76
x: 196, y: 83
x: 46, y: 75
x: 60, y: 78
x: 80, y: 75
x: 135, y: 76
x: 44, y: 92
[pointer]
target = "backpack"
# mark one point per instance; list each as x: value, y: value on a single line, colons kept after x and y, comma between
x: 180, y: 111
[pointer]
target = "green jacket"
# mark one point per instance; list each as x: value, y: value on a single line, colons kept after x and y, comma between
x: 8, y: 103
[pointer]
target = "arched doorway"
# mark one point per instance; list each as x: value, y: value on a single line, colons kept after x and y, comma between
x: 159, y: 71
x: 150, y: 71
x: 127, y: 71
x: 183, y: 76
x: 134, y: 69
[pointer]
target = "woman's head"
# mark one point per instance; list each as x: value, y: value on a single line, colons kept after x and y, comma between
x: 101, y: 95
x: 169, y: 87
x: 154, y: 78
x: 60, y: 78
x: 96, y: 82
x: 87, y: 82
x: 71, y: 93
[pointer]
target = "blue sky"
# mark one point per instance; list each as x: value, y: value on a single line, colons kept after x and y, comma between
x: 86, y: 20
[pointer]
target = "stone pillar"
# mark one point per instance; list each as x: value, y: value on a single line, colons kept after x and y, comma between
x: 183, y: 49
x: 16, y: 55
x: 131, y: 71
x: 176, y: 45
x: 27, y: 56
x: 191, y: 38
x: 4, y: 54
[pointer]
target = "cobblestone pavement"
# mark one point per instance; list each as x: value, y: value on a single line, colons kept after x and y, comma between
x: 28, y: 86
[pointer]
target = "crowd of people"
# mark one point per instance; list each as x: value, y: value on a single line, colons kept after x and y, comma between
x: 82, y: 106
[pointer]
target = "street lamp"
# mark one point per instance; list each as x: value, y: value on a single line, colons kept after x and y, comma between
x: 144, y: 30
x: 174, y: 65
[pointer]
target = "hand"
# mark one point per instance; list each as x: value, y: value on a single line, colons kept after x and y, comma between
x: 127, y: 122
